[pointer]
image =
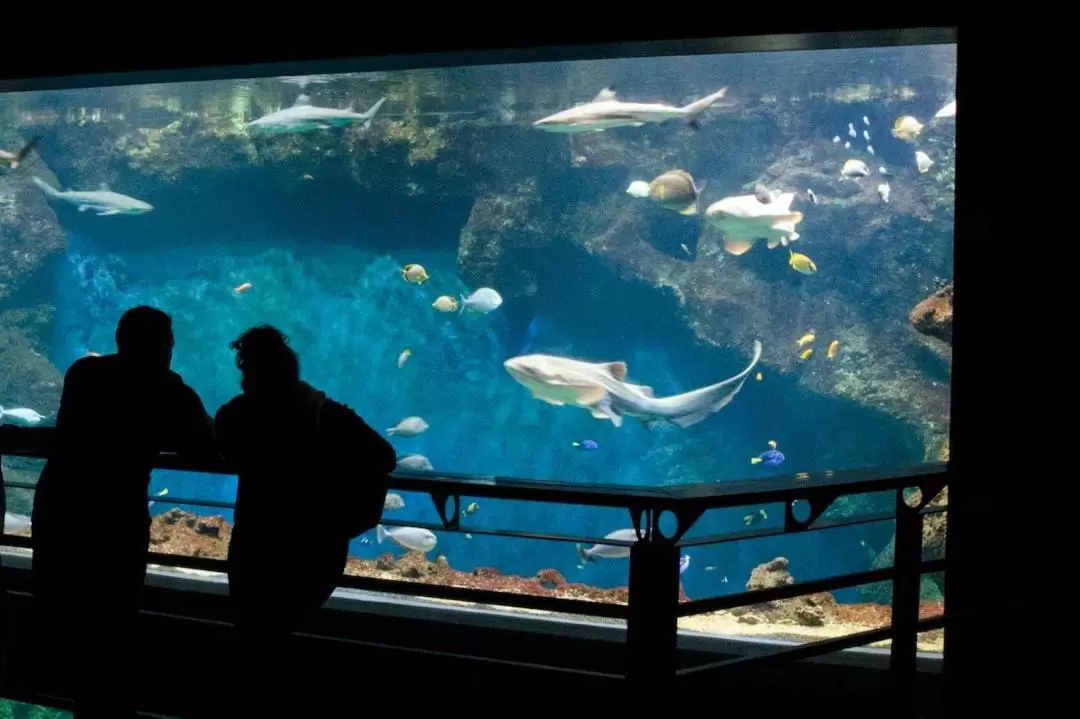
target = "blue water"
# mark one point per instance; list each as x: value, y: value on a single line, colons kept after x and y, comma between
x: 349, y: 315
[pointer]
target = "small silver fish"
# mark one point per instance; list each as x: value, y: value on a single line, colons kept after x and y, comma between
x: 685, y: 249
x: 883, y: 191
x: 866, y: 135
x: 866, y: 120
x: 870, y: 149
x: 812, y: 196
x: 851, y: 129
x: 836, y: 139
x: 882, y: 171
x: 847, y: 145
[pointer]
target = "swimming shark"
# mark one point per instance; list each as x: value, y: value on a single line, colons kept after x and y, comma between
x: 305, y: 117
x: 745, y: 218
x: 602, y: 389
x: 103, y: 201
x: 607, y: 111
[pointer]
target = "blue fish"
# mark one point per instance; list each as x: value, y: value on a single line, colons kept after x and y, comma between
x: 586, y: 444
x: 684, y: 562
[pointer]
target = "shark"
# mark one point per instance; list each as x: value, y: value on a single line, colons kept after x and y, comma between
x: 607, y: 111
x: 745, y: 218
x: 103, y: 201
x: 305, y: 117
x: 602, y: 389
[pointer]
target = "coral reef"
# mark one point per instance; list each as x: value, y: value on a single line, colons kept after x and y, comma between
x: 184, y: 533
x: 934, y: 315
x: 811, y: 616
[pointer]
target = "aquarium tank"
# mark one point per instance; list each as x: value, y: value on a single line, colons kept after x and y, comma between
x: 646, y: 271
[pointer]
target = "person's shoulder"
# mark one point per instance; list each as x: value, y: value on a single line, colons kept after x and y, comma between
x: 231, y: 408
x: 88, y: 365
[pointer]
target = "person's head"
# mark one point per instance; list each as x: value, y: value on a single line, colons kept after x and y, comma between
x: 265, y: 360
x: 144, y: 337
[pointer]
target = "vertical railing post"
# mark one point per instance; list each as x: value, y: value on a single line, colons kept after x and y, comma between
x: 907, y: 561
x: 652, y: 624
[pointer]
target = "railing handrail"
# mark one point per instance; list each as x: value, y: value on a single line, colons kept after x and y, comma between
x: 33, y: 442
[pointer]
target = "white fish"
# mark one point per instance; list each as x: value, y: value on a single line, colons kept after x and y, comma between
x: 882, y: 171
x: 948, y: 111
x: 847, y: 145
x: 866, y: 135
x: 744, y: 219
x: 607, y: 111
x: 866, y: 120
x: 853, y: 169
x: 15, y: 522
x: 415, y: 463
x: 601, y: 388
x: 393, y: 502
x: 922, y: 161
x: 851, y: 129
x: 836, y: 139
x: 870, y: 149
x: 416, y: 539
x: 638, y: 188
x: 162, y: 493
x: 22, y: 415
x: 409, y: 427
x: 812, y: 196
x: 103, y: 201
x: 609, y: 551
x: 883, y: 191
x: 682, y: 245
x: 305, y: 117
x: 484, y: 300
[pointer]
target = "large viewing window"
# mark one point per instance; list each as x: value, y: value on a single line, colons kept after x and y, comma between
x: 646, y: 271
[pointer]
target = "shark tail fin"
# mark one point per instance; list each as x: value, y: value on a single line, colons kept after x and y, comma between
x: 45, y: 187
x: 581, y: 553
x: 380, y: 534
x: 709, y: 400
x: 461, y: 305
x: 694, y: 109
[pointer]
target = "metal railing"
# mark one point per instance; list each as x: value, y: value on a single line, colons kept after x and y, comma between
x: 653, y: 607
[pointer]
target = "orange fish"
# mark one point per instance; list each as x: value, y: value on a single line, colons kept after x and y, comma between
x: 242, y: 288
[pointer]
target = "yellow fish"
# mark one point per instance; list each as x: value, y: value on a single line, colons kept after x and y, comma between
x: 414, y: 274
x: 834, y: 347
x: 403, y: 357
x: 758, y: 376
x: 446, y: 303
x: 801, y: 263
x: 471, y: 509
x: 806, y: 338
x: 805, y: 354
x: 906, y: 128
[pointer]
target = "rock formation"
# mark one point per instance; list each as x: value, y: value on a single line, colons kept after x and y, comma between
x: 934, y: 315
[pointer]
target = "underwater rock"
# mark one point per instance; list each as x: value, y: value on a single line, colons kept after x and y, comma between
x: 934, y: 315
x: 808, y: 611
x: 29, y: 230
x: 27, y: 377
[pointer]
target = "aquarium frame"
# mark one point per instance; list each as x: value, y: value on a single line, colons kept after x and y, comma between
x: 737, y: 44
x: 653, y: 607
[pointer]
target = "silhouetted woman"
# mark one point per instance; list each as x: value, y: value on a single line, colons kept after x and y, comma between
x: 286, y: 555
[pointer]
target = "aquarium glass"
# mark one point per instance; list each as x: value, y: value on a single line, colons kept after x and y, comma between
x: 562, y: 268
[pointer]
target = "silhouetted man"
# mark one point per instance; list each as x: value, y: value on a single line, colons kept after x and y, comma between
x: 91, y: 521
x: 312, y: 475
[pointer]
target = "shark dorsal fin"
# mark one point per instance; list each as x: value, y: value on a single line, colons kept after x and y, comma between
x: 606, y: 95
x: 616, y: 370
x: 302, y: 100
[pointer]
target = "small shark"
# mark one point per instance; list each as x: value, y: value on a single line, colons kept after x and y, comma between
x: 305, y: 117
x: 607, y: 111
x: 602, y: 389
x: 103, y: 201
x: 745, y: 218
